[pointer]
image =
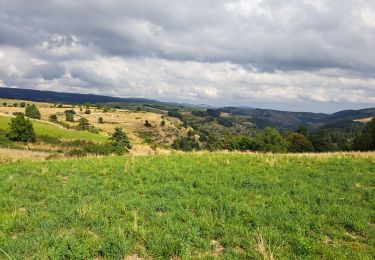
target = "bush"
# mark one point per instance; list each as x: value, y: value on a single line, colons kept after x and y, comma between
x: 83, y: 124
x: 100, y: 120
x: 119, y: 138
x: 32, y: 111
x: 22, y: 104
x: 162, y: 123
x: 53, y: 118
x: 87, y: 111
x: 187, y: 143
x: 147, y: 124
x: 21, y: 129
x: 5, y: 104
x: 69, y: 115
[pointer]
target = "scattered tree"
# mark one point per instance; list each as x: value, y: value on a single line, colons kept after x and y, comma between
x: 83, y: 124
x: 119, y: 138
x: 32, y: 111
x: 69, y: 115
x: 21, y: 129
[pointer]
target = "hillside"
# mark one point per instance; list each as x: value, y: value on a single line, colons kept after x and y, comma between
x: 145, y: 139
x: 258, y: 117
x: 191, y: 206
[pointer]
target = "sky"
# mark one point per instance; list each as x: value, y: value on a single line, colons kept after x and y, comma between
x: 298, y: 55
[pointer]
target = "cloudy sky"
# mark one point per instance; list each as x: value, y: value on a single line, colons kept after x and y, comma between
x: 305, y: 55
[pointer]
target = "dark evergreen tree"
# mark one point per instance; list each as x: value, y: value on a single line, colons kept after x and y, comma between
x: 119, y: 138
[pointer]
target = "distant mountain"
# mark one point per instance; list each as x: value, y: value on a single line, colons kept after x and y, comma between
x: 60, y: 97
x: 288, y: 120
x: 260, y: 117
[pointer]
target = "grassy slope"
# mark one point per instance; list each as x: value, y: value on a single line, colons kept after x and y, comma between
x: 45, y: 128
x: 233, y: 206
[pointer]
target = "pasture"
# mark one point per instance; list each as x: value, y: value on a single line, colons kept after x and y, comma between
x: 190, y: 206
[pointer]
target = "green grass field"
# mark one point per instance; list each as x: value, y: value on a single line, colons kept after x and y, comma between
x: 45, y: 128
x: 187, y: 206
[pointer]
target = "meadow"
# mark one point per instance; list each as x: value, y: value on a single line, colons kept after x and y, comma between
x: 43, y: 128
x: 190, y: 206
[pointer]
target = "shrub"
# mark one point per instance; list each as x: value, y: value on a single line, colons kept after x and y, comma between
x: 83, y: 124
x: 5, y: 104
x: 22, y: 104
x: 162, y: 123
x: 53, y: 118
x: 32, y: 111
x: 187, y: 143
x: 15, y: 104
x: 21, y: 129
x: 100, y: 120
x: 119, y: 138
x: 87, y: 111
x: 147, y: 124
x: 69, y: 115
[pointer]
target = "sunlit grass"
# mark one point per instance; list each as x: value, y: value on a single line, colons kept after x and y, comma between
x: 190, y: 206
x: 46, y: 128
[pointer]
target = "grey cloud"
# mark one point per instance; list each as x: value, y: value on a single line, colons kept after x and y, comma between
x: 270, y: 39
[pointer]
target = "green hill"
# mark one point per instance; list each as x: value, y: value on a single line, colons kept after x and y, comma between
x: 231, y: 206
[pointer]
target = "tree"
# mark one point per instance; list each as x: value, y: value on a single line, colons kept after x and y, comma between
x: 270, y: 141
x: 119, y: 138
x: 69, y: 115
x: 22, y: 104
x: 53, y: 118
x: 321, y: 141
x: 32, y: 111
x: 302, y: 129
x: 100, y: 120
x: 83, y: 124
x: 366, y: 140
x: 21, y: 129
x: 298, y: 143
x: 15, y: 104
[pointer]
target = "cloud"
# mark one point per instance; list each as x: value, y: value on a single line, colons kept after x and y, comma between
x: 235, y: 52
